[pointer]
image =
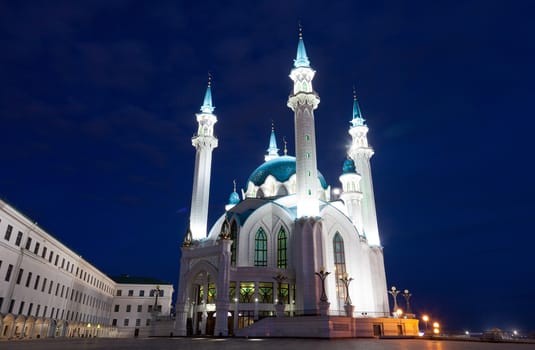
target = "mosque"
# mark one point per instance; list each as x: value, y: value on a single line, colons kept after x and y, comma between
x: 286, y: 258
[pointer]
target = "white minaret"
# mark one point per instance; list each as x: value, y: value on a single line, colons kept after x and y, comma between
x: 361, y: 153
x: 303, y: 101
x: 204, y: 142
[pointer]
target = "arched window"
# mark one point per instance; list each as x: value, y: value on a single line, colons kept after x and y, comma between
x: 260, y: 251
x: 234, y: 245
x: 282, y: 249
x: 340, y: 268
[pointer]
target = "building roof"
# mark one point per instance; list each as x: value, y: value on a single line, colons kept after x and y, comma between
x: 349, y: 167
x: 127, y: 279
x: 281, y: 168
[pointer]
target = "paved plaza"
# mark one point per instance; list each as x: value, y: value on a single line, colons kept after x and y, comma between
x: 255, y: 344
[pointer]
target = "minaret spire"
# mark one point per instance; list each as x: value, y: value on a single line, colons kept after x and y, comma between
x: 357, y: 120
x: 204, y: 142
x: 207, y: 106
x: 303, y: 101
x: 272, y: 151
x: 301, y: 59
x: 360, y: 152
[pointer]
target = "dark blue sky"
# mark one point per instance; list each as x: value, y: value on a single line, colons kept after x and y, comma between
x: 98, y: 103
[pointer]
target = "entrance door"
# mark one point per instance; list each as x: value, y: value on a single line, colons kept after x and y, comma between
x: 210, y: 324
x: 377, y: 330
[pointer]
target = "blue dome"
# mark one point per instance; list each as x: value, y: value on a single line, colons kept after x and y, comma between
x: 281, y: 168
x: 234, y: 198
x: 349, y: 167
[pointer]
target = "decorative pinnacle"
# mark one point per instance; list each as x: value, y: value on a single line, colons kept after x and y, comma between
x: 272, y: 151
x: 285, y: 148
x: 300, y: 30
x: 188, y: 240
x: 234, y: 182
x: 209, y: 79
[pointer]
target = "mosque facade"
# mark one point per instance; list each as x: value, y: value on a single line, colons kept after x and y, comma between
x: 284, y: 248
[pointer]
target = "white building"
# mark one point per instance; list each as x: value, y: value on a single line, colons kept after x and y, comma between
x: 141, y: 307
x: 263, y: 255
x: 47, y: 290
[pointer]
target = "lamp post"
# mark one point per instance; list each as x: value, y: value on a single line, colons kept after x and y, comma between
x: 322, y: 275
x: 324, y: 303
x: 425, y: 318
x: 407, y: 295
x: 394, y: 292
x: 348, y: 307
x: 347, y: 280
x: 399, y: 312
x: 279, y: 307
x: 157, y: 292
x: 436, y: 328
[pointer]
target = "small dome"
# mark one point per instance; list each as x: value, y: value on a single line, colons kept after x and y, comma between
x: 349, y: 167
x: 281, y: 168
x: 234, y: 198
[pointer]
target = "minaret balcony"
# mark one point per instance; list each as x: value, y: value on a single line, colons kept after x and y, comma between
x: 303, y: 99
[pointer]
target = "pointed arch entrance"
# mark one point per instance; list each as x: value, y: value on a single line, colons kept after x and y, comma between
x: 202, y: 296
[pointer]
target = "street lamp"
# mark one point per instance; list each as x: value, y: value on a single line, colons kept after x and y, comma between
x: 347, y: 280
x: 157, y: 292
x: 425, y: 318
x: 280, y: 278
x: 399, y: 312
x: 436, y: 328
x: 407, y: 296
x: 394, y: 292
x: 322, y: 275
x: 279, y: 303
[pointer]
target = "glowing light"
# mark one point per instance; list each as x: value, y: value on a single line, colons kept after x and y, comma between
x: 467, y: 332
x: 436, y: 331
x: 425, y: 318
x: 336, y: 191
x: 399, y: 312
x: 436, y: 325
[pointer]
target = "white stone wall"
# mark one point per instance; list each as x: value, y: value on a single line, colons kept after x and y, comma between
x: 55, y: 283
x: 141, y: 307
x: 66, y: 296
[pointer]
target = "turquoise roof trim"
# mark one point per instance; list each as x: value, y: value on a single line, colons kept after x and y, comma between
x: 301, y: 59
x: 207, y: 106
x: 281, y: 168
x: 242, y: 215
